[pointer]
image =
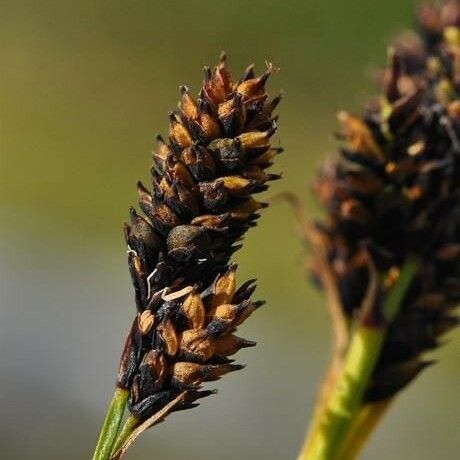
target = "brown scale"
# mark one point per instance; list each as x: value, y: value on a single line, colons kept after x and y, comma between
x: 183, y: 340
x: 393, y: 192
x: 203, y: 180
x: 198, y: 206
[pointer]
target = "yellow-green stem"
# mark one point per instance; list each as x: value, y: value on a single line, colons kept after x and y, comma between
x: 361, y: 357
x: 129, y: 426
x: 364, y: 424
x: 111, y: 425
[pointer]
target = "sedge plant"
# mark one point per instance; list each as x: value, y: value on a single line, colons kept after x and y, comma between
x: 200, y: 203
x: 388, y: 250
x: 386, y: 253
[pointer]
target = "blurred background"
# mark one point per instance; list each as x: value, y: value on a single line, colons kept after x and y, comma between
x: 84, y: 87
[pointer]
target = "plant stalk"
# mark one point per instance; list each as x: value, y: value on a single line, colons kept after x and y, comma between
x: 111, y: 424
x: 363, y: 426
x: 129, y: 426
x: 361, y: 357
x: 132, y: 431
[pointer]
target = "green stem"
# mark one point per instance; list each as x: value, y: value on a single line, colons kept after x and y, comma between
x: 129, y: 426
x: 360, y: 360
x: 364, y: 424
x: 111, y: 424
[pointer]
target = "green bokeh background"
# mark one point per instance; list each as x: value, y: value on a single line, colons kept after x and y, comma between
x: 84, y: 86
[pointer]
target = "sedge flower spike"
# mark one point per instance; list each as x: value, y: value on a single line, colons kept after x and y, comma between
x: 199, y: 205
x: 394, y: 193
x: 388, y: 251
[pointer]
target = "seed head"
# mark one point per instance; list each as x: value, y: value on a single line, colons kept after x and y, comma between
x: 199, y: 205
x: 393, y: 193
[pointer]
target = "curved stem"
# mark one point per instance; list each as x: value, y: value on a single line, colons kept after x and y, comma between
x: 338, y: 322
x: 362, y: 355
x: 111, y: 424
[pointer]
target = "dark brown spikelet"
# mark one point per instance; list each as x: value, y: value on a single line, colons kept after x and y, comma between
x: 393, y: 193
x: 199, y: 205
